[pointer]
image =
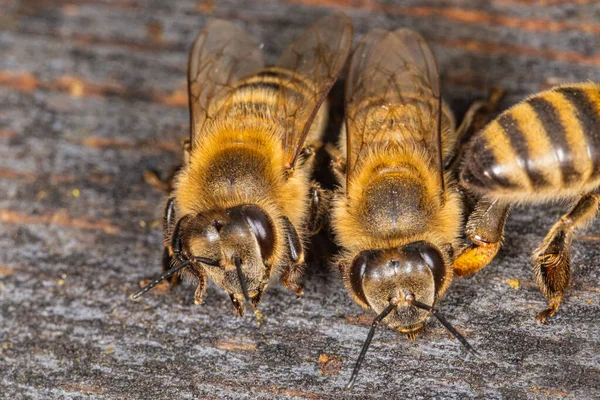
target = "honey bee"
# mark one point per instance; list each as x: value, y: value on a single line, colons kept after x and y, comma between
x: 542, y: 149
x: 243, y: 202
x: 397, y: 213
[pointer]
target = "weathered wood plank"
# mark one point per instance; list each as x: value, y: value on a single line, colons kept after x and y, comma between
x: 93, y: 93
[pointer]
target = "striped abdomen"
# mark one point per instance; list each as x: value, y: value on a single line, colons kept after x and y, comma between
x: 279, y: 96
x: 548, y: 144
x: 265, y: 91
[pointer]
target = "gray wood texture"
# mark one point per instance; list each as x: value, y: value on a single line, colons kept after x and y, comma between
x: 92, y: 93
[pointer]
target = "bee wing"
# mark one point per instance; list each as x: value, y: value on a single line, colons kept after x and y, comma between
x: 222, y: 53
x: 316, y: 59
x: 393, y: 83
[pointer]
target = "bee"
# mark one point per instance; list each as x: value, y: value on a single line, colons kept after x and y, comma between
x: 397, y: 214
x: 544, y: 149
x: 243, y: 202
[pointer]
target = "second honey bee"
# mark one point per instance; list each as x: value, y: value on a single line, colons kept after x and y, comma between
x: 544, y: 149
x: 243, y: 203
x: 398, y: 214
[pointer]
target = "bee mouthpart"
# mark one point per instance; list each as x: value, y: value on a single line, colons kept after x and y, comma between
x: 251, y: 295
x: 238, y: 267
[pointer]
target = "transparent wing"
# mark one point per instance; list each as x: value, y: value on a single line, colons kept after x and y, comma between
x: 315, y: 60
x: 392, y: 94
x: 221, y: 54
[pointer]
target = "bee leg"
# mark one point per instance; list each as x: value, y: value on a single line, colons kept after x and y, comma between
x: 319, y: 206
x: 485, y: 229
x: 255, y: 301
x: 338, y: 162
x: 295, y: 269
x: 479, y: 108
x: 200, y: 287
x: 309, y: 152
x: 187, y: 148
x: 167, y: 264
x: 290, y: 277
x: 168, y: 224
x: 475, y: 118
x: 169, y: 221
x: 552, y: 260
x: 152, y: 177
x: 412, y: 335
x: 237, y: 305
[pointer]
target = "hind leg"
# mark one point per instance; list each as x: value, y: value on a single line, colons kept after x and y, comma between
x: 474, y: 119
x: 485, y: 229
x: 319, y: 208
x: 152, y: 177
x: 200, y: 287
x: 552, y: 259
x: 482, y: 109
x: 168, y: 255
x: 337, y: 163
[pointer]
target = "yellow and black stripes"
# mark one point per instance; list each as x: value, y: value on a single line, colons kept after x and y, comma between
x: 518, y: 141
x: 545, y: 144
x: 587, y: 104
x: 374, y: 123
x: 548, y: 115
x: 272, y: 87
x: 273, y: 95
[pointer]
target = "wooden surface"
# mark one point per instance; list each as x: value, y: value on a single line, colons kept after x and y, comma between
x: 92, y: 93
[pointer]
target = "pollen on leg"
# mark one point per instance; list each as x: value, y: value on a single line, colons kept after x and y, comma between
x: 475, y: 257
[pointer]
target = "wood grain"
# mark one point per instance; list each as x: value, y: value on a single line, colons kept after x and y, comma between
x: 93, y: 93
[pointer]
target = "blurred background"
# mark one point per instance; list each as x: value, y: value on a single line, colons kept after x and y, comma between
x: 93, y: 93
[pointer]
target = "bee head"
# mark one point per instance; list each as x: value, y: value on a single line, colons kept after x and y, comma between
x: 416, y: 271
x: 241, y: 239
x: 401, y: 285
x: 234, y: 247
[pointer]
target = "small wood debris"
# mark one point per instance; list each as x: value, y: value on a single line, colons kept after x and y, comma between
x: 330, y: 364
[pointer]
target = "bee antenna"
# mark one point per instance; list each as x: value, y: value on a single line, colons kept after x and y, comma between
x: 238, y: 267
x: 161, y: 278
x: 171, y: 272
x: 447, y: 325
x: 365, y: 347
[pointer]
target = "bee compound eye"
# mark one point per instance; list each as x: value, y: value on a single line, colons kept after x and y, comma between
x: 435, y: 261
x: 262, y: 227
x: 357, y: 273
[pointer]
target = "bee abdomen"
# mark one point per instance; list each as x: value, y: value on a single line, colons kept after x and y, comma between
x: 266, y: 92
x: 547, y: 144
x: 276, y: 79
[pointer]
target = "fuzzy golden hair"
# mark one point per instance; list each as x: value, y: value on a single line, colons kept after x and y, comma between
x: 443, y: 210
x: 443, y: 207
x: 251, y: 155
